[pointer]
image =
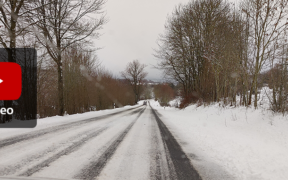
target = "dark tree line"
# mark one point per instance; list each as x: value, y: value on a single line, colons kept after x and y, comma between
x: 216, y: 50
x: 164, y: 93
x: 69, y: 76
x: 63, y: 23
x: 87, y: 85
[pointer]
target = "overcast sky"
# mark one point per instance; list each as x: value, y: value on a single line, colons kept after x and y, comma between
x: 132, y: 32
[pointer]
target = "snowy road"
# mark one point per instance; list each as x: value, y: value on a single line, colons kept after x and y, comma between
x: 129, y: 144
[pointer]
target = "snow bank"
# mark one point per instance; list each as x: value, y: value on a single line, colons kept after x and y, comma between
x: 154, y: 103
x: 231, y: 143
x: 175, y: 102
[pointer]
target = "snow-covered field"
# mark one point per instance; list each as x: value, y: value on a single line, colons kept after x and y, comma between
x: 221, y: 142
x: 231, y: 143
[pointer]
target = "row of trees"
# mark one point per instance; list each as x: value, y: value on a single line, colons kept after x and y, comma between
x: 87, y: 85
x: 164, y: 93
x: 216, y: 50
x: 70, y: 78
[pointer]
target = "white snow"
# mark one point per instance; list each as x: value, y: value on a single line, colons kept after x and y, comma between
x: 132, y: 152
x: 58, y: 120
x: 175, y: 102
x: 222, y: 143
x: 92, y: 150
x: 37, y: 150
x: 231, y: 143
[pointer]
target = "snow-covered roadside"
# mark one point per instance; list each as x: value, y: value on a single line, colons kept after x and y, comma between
x: 231, y: 143
x: 58, y: 120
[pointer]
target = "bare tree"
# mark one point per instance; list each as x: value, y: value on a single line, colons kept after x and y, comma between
x: 87, y: 86
x: 10, y: 14
x: 14, y: 23
x: 200, y: 49
x: 267, y: 21
x: 64, y: 23
x: 78, y: 67
x: 278, y: 75
x: 135, y: 74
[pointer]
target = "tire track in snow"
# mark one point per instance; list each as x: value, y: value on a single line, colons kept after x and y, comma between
x: 95, y: 168
x: 55, y: 129
x: 160, y: 156
x: 181, y: 164
x: 77, y: 140
x: 75, y: 146
x: 71, y: 148
x: 159, y: 167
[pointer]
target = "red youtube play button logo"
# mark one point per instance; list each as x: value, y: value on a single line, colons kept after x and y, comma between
x: 10, y: 81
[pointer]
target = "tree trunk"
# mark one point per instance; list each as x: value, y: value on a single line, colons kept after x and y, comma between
x: 255, y: 95
x: 256, y: 85
x: 11, y: 58
x: 60, y: 87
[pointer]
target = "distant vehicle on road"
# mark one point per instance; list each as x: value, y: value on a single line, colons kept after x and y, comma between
x: 145, y: 103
